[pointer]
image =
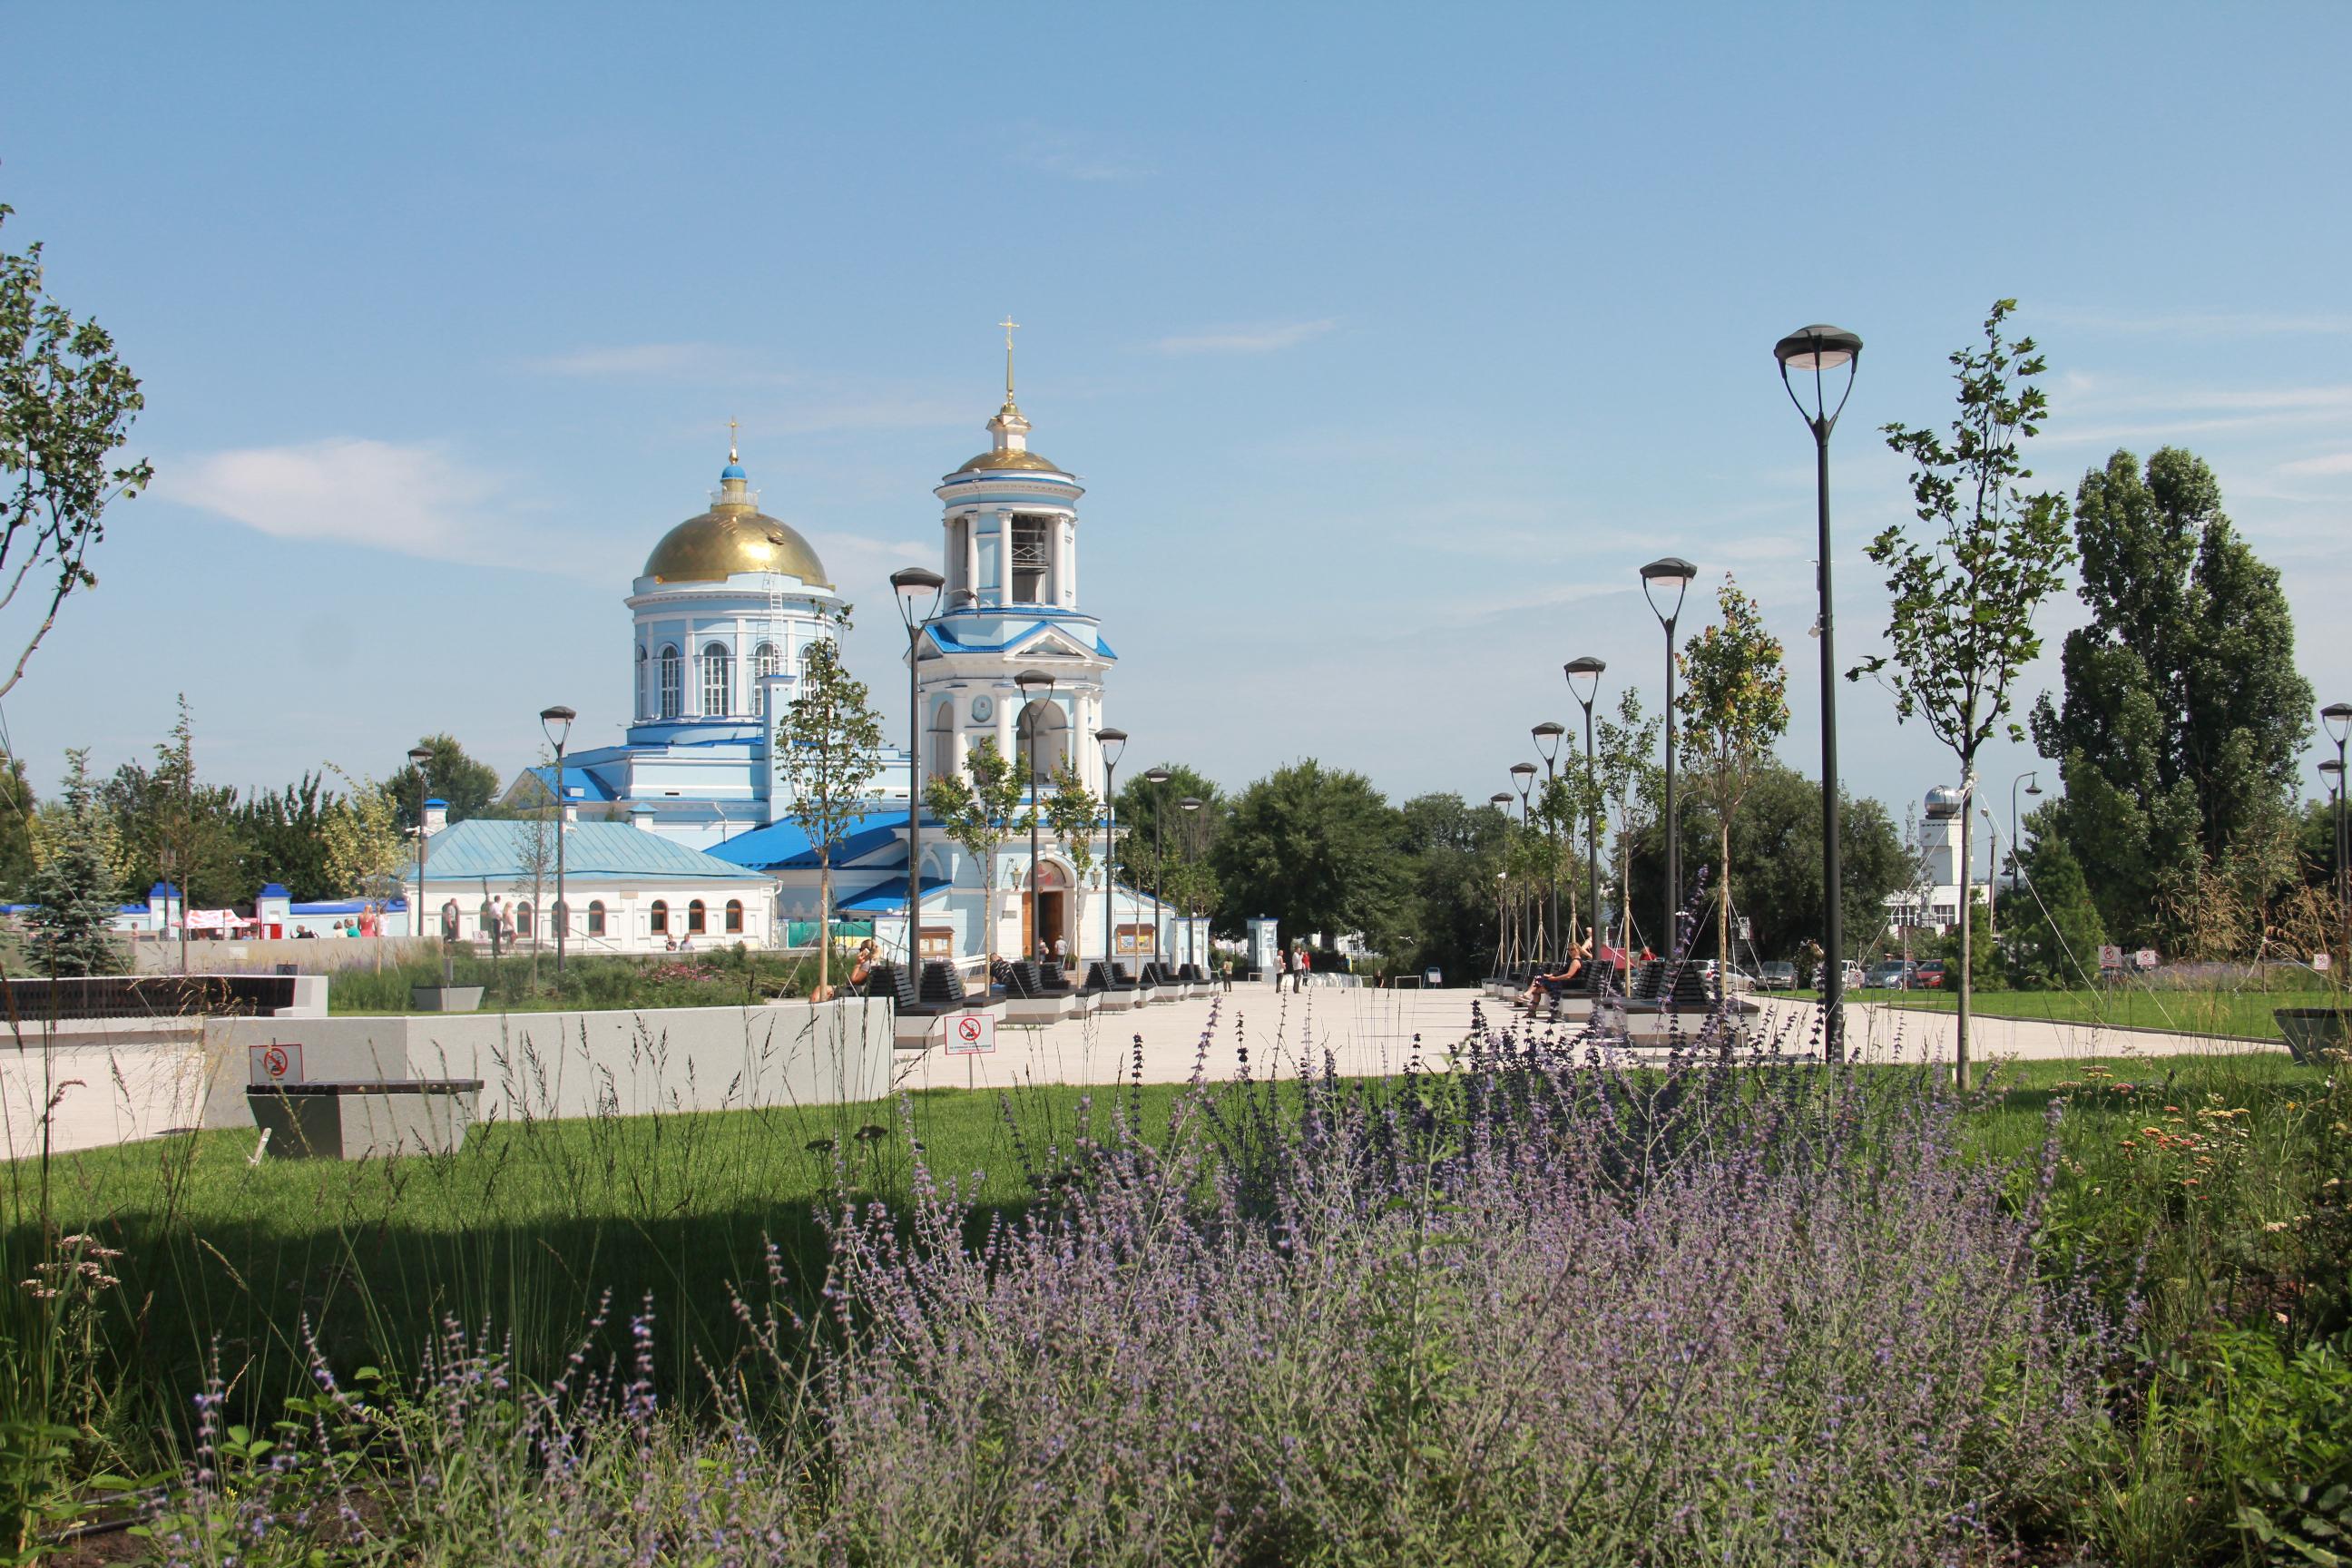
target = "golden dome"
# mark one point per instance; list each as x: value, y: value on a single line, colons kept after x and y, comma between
x: 1010, y: 457
x: 731, y: 538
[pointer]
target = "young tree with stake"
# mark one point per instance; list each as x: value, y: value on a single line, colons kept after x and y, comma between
x: 976, y: 806
x: 1734, y: 705
x: 1072, y: 812
x: 829, y: 749
x: 1625, y: 758
x: 1964, y: 597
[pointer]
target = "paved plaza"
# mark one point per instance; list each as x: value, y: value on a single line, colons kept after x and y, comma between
x: 1365, y: 1031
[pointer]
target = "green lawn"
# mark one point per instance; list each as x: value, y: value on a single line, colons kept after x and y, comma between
x: 2239, y: 1015
x: 718, y: 977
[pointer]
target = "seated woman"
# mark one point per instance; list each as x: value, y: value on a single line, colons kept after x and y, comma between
x: 862, y: 971
x: 1554, y: 983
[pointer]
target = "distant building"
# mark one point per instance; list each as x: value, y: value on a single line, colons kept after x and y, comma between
x: 1934, y: 902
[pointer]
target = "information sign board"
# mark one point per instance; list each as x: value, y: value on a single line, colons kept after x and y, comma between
x: 971, y: 1034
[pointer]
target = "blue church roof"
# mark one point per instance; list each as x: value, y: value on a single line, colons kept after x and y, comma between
x: 884, y: 898
x: 476, y: 849
x: 579, y: 783
x: 782, y: 846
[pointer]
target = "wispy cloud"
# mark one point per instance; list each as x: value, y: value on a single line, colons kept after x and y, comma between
x: 413, y: 500
x: 1066, y: 158
x: 644, y: 361
x: 2199, y: 323
x: 2185, y: 411
x: 2333, y: 463
x: 1257, y: 340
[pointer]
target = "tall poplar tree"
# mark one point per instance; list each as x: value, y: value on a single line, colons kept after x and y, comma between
x: 1961, y: 624
x: 2183, y: 717
x: 72, y: 890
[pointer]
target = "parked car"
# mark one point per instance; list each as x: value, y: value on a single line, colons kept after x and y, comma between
x: 1931, y: 976
x: 1893, y: 976
x: 1776, y: 976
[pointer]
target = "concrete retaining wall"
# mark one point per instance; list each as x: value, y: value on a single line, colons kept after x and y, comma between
x: 561, y: 1065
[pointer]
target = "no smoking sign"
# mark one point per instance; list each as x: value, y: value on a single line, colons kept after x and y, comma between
x: 274, y: 1064
x: 971, y: 1034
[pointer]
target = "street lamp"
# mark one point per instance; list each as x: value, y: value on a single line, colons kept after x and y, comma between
x: 1501, y: 800
x: 556, y: 723
x: 2337, y: 717
x: 1588, y: 669
x: 1036, y: 685
x: 1190, y: 804
x: 2033, y: 781
x: 1156, y: 777
x: 1818, y: 349
x: 1670, y: 573
x: 1114, y: 746
x: 419, y: 756
x: 1547, y: 735
x: 918, y: 588
x: 1523, y: 775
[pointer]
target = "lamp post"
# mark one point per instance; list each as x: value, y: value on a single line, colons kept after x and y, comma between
x: 1523, y: 777
x: 1114, y: 746
x: 1036, y: 686
x: 556, y: 723
x: 1547, y: 737
x: 1670, y: 572
x: 1190, y: 806
x: 1501, y: 800
x: 1818, y: 349
x: 418, y: 757
x: 2033, y: 781
x: 1588, y: 669
x: 1156, y: 778
x: 2337, y: 717
x: 2332, y: 771
x: 911, y: 584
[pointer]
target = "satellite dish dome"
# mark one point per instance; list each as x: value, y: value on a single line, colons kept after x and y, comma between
x: 1945, y: 802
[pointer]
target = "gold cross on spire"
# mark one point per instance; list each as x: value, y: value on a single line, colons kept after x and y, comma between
x: 730, y: 442
x: 1010, y: 326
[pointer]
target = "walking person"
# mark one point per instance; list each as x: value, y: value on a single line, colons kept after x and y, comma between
x: 1281, y: 968
x: 1302, y: 967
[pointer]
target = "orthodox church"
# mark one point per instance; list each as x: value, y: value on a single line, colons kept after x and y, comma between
x: 729, y: 603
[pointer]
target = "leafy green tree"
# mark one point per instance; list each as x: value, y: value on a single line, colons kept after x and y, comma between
x: 1775, y: 862
x: 366, y: 852
x: 977, y: 806
x: 283, y: 834
x: 467, y: 786
x: 2183, y: 717
x: 829, y: 748
x: 1453, y: 851
x: 176, y: 828
x: 1625, y: 752
x: 1074, y: 814
x: 1315, y: 848
x: 66, y: 403
x: 73, y: 889
x: 2051, y: 925
x: 1144, y: 835
x: 1961, y: 624
x: 1735, y: 706
x: 17, y: 810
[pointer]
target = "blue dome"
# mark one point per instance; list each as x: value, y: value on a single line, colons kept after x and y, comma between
x: 732, y: 471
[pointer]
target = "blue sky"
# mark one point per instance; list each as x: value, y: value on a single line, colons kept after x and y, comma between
x: 1388, y: 341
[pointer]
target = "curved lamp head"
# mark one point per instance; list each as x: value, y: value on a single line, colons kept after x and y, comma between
x: 1113, y: 743
x: 1667, y: 574
x: 420, y: 755
x: 557, y: 723
x: 1524, y: 776
x: 2332, y: 771
x: 1033, y: 683
x: 2033, y: 784
x: 1812, y: 351
x: 918, y: 588
x: 1190, y: 803
x: 1156, y: 775
x: 2337, y: 717
x: 1548, y: 734
x: 1500, y: 798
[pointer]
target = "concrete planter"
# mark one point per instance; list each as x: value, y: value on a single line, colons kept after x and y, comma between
x: 444, y: 998
x: 366, y: 1121
x: 2311, y: 1030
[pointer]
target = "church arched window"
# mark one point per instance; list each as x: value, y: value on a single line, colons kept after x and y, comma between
x: 522, y: 913
x: 735, y: 916
x: 717, y: 686
x: 645, y: 698
x: 595, y: 917
x: 943, y: 739
x: 696, y: 917
x: 1042, y: 730
x: 766, y: 660
x: 673, y: 686
x: 661, y: 917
